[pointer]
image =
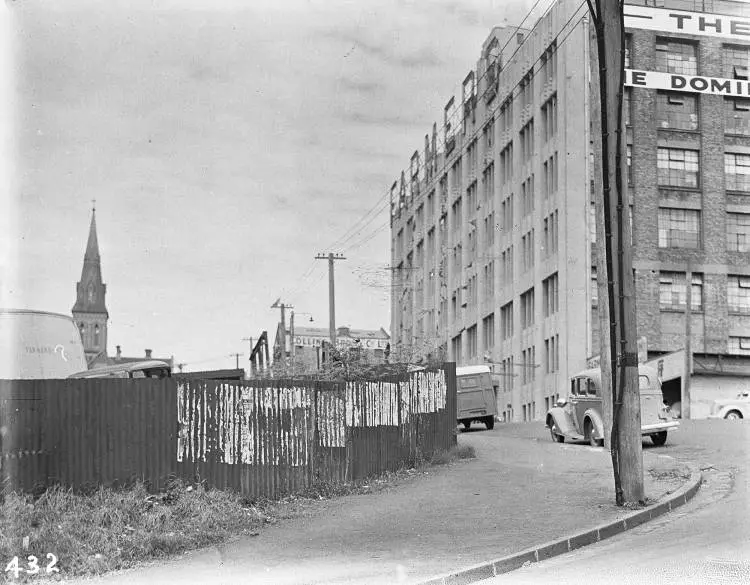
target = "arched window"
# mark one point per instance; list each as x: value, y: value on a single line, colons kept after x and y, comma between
x: 81, y: 329
x: 96, y: 335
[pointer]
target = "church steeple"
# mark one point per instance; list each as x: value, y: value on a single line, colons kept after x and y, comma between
x: 90, y: 310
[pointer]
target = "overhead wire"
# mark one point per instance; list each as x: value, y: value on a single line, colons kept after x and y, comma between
x: 383, y: 203
x: 476, y: 132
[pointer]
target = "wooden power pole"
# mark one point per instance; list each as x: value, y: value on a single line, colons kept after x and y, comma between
x: 331, y: 296
x: 622, y: 402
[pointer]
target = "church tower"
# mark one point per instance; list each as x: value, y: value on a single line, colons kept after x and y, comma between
x: 89, y: 312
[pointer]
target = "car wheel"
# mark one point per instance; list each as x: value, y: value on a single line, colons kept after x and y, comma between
x: 733, y: 415
x: 467, y: 424
x: 489, y: 422
x: 556, y: 437
x: 659, y: 439
x: 593, y: 441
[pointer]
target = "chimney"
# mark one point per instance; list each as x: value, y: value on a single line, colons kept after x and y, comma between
x: 119, y: 352
x: 148, y: 354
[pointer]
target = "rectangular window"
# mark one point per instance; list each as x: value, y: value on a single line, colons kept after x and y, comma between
x: 629, y: 163
x: 737, y: 116
x: 679, y: 228
x: 506, y: 321
x: 673, y: 291
x: 456, y: 349
x: 736, y: 61
x: 471, y: 199
x: 737, y: 171
x: 527, y: 308
x: 489, y: 279
x: 507, y: 214
x: 489, y: 135
x: 738, y: 346
x: 551, y: 354
x: 549, y: 118
x: 628, y: 51
x: 456, y: 215
x: 507, y: 259
x: 527, y: 245
x: 489, y: 230
x: 550, y: 295
x: 488, y: 182
x: 527, y: 195
x: 674, y: 56
x: 471, y: 341
x: 738, y: 294
x: 677, y: 111
x: 506, y: 116
x: 526, y: 89
x: 550, y: 175
x: 526, y: 137
x: 677, y: 167
x: 738, y: 232
x: 506, y: 164
x: 592, y: 222
x: 627, y: 106
x: 488, y: 331
x: 548, y: 67
x: 528, y: 365
x: 594, y: 286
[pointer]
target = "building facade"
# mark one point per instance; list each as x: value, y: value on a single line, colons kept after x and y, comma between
x: 493, y: 225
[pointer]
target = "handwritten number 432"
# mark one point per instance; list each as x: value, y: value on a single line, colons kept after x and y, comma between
x: 33, y: 563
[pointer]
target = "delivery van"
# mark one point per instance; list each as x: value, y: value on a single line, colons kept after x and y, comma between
x: 475, y: 396
x: 38, y: 345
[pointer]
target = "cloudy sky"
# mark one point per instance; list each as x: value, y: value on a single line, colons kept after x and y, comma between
x: 225, y: 143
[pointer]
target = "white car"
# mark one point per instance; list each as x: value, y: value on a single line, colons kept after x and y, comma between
x: 733, y: 408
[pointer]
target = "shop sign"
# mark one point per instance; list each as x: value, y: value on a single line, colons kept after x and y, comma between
x: 689, y: 23
x: 688, y: 83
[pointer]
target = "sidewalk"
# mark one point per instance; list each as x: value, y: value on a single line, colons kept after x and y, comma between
x: 517, y: 493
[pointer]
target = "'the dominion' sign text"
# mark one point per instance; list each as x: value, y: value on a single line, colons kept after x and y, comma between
x: 691, y: 83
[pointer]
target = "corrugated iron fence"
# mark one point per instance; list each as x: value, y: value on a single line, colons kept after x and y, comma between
x: 260, y: 437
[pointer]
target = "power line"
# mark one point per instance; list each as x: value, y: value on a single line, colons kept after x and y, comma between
x: 476, y: 132
x: 353, y: 231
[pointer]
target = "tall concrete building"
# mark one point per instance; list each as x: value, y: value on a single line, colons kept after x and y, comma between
x: 493, y: 225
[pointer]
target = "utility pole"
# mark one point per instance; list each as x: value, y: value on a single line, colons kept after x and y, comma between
x: 621, y: 337
x: 331, y: 296
x: 237, y: 358
x: 685, y: 398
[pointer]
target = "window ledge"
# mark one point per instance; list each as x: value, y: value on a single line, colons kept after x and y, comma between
x: 736, y: 192
x: 678, y: 188
x: 733, y: 313
x: 679, y: 310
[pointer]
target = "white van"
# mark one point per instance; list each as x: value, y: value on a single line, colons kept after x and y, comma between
x: 475, y: 396
x: 39, y: 345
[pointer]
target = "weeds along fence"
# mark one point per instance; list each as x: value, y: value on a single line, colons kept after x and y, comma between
x: 259, y: 437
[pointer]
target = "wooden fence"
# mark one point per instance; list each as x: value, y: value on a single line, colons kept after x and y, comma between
x: 259, y: 437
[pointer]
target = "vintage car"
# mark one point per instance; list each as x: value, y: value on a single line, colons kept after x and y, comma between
x: 732, y: 409
x: 579, y: 417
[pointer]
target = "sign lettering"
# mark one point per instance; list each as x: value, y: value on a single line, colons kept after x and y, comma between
x: 690, y: 83
x: 692, y: 23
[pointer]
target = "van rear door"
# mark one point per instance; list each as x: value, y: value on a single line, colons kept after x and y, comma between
x: 475, y: 399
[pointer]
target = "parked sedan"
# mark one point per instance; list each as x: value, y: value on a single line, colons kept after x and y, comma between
x: 579, y: 418
x: 733, y: 408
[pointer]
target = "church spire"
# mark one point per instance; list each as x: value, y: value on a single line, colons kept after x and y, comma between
x: 92, y: 247
x: 90, y: 311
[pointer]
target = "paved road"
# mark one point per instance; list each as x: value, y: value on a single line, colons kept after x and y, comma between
x: 706, y: 541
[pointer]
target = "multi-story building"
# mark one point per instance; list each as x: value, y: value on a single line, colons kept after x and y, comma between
x: 493, y: 237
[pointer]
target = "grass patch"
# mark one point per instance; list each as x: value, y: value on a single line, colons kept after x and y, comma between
x: 111, y: 529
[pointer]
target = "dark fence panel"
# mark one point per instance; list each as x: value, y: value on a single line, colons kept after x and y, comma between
x: 260, y: 437
x: 86, y: 433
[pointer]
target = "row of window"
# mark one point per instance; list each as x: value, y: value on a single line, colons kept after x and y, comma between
x: 681, y: 228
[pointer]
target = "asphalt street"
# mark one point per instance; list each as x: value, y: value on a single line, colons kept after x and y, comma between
x: 706, y: 541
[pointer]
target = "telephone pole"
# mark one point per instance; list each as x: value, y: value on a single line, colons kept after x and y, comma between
x: 331, y: 296
x: 237, y: 358
x: 619, y: 340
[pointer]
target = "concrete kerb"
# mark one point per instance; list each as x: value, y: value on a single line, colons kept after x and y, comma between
x: 548, y: 550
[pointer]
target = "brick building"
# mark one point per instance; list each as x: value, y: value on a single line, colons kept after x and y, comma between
x: 493, y: 229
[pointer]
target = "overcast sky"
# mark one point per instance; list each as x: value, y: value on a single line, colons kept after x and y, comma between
x: 225, y: 143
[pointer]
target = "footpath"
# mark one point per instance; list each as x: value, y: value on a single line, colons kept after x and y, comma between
x: 517, y: 494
